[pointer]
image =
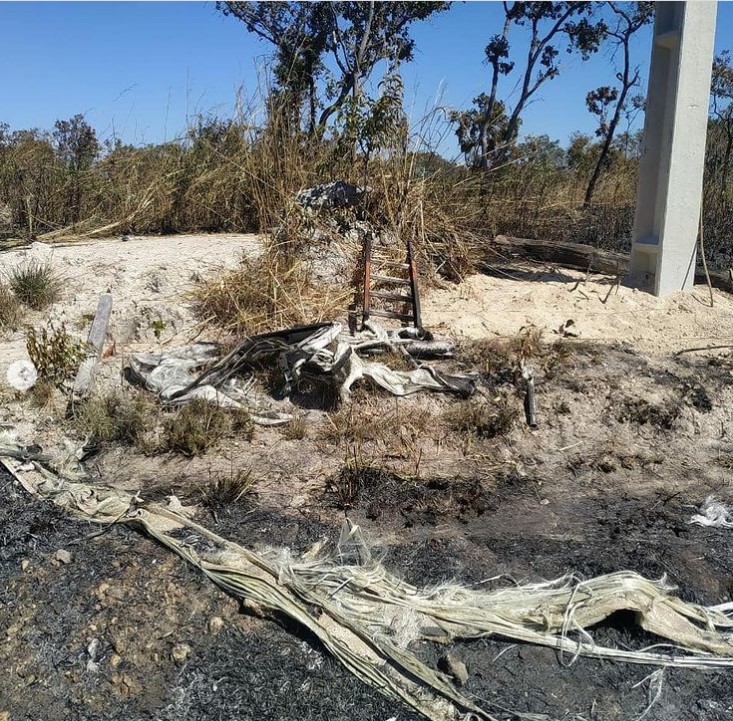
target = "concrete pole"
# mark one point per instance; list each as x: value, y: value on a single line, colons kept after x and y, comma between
x: 675, y: 128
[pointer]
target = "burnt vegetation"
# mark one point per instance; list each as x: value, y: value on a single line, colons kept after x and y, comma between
x: 382, y: 494
x: 335, y: 109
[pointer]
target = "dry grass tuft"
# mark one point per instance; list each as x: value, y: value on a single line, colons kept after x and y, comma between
x: 296, y: 430
x: 348, y: 485
x: 377, y: 490
x: 225, y: 490
x: 11, y: 313
x: 396, y: 360
x: 528, y: 343
x: 360, y: 422
x: 117, y: 417
x: 42, y: 394
x: 493, y: 358
x: 660, y: 415
x: 35, y: 284
x: 198, y: 426
x: 265, y: 294
x: 499, y: 360
x: 481, y: 418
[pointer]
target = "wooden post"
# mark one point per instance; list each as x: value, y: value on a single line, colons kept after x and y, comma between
x: 97, y: 333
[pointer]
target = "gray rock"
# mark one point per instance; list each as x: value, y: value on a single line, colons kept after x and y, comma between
x: 337, y: 194
x: 62, y: 556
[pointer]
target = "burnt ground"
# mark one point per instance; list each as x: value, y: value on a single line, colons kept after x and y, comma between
x: 627, y: 448
x: 96, y: 638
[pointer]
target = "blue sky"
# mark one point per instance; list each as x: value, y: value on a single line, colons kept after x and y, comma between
x: 142, y: 70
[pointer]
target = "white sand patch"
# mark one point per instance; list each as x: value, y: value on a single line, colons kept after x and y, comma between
x: 484, y: 306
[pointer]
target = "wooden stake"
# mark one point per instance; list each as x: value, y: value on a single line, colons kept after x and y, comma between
x: 97, y: 333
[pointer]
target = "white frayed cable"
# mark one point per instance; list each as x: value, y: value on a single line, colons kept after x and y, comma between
x: 713, y: 513
x: 654, y: 692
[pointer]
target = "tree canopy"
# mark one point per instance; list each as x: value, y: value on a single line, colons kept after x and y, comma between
x: 325, y: 52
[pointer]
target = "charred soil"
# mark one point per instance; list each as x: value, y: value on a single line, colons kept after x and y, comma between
x: 102, y: 623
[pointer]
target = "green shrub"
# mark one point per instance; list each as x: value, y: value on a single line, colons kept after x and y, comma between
x: 54, y: 352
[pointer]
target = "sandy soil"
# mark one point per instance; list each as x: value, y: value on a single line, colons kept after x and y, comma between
x: 148, y: 278
x: 484, y: 306
x: 631, y: 438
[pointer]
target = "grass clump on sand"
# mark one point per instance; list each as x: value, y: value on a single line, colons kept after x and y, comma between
x: 485, y: 419
x: 362, y: 421
x: 296, y: 430
x: 500, y: 360
x: 116, y: 417
x: 224, y: 490
x: 35, y: 284
x: 131, y: 419
x: 199, y: 425
x: 11, y: 313
x: 264, y: 294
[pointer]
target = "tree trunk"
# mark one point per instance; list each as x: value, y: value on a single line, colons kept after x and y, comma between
x: 590, y: 190
x: 513, y: 126
x: 489, y: 118
x: 626, y: 84
x: 534, y: 54
x: 334, y: 107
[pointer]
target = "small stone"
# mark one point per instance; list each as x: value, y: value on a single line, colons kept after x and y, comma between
x: 119, y: 644
x: 11, y: 631
x: 115, y: 660
x: 63, y: 556
x: 24, y: 565
x: 4, y: 716
x: 216, y: 623
x: 180, y: 652
x: 126, y: 686
x: 454, y: 667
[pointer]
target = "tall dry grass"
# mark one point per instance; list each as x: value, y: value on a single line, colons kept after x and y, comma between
x: 241, y: 174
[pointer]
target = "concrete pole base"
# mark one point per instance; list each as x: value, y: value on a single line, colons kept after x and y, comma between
x: 671, y: 169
